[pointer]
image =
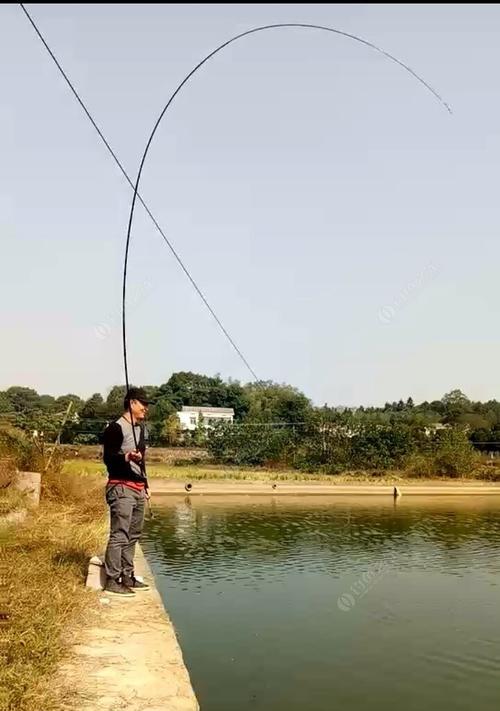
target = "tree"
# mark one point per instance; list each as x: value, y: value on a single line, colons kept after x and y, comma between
x: 455, y: 404
x: 377, y: 446
x: 63, y: 402
x: 23, y: 399
x: 93, y: 407
x: 454, y: 454
x: 248, y: 446
x: 47, y: 402
x: 483, y: 440
x: 437, y: 406
x: 199, y: 436
x: 6, y: 405
x: 171, y: 431
x: 271, y: 402
x: 472, y: 421
x: 113, y: 407
x: 186, y: 388
x: 455, y: 397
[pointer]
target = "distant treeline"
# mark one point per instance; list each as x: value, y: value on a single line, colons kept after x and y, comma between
x: 276, y: 424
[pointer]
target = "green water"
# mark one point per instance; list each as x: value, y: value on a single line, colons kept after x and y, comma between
x: 295, y: 605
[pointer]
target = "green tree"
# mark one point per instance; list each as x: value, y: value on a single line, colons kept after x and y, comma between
x: 246, y: 445
x: 377, y: 446
x: 23, y: 399
x: 6, y: 405
x: 270, y: 402
x: 455, y: 403
x: 63, y: 402
x: 453, y: 453
x: 171, y: 431
x: 186, y: 388
x: 93, y: 407
x: 113, y: 406
x: 47, y: 402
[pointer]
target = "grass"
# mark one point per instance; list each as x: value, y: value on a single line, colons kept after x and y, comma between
x: 205, y: 472
x: 11, y: 500
x: 43, y: 565
x: 199, y: 472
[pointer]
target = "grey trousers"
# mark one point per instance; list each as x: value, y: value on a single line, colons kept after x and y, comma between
x: 126, y: 508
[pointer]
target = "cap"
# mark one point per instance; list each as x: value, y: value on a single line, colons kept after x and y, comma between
x: 137, y: 394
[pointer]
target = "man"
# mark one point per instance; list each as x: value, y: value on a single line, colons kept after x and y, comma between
x: 126, y: 491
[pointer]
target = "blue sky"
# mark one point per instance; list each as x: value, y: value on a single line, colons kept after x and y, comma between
x: 343, y: 225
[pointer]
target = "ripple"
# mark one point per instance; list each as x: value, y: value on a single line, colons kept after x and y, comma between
x: 420, y: 585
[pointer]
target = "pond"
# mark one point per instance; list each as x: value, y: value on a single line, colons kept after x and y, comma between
x: 287, y: 604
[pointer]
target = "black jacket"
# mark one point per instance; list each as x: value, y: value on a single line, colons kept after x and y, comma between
x: 114, y: 454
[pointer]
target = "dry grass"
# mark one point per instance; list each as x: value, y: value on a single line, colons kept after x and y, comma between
x: 197, y: 472
x: 206, y: 472
x: 44, y: 563
x: 11, y: 500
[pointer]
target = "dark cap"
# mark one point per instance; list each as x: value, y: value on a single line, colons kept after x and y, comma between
x: 137, y: 394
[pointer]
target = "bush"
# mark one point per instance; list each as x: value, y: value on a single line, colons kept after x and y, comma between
x: 325, y: 447
x: 419, y: 465
x: 7, y: 470
x: 345, y: 444
x: 376, y: 446
x: 487, y: 473
x: 86, y: 439
x: 453, y: 453
x: 249, y: 445
x: 22, y: 451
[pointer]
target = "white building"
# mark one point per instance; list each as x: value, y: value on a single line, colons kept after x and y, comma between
x: 190, y: 417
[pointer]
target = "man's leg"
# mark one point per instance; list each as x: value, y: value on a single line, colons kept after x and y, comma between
x: 120, y: 509
x: 135, y: 530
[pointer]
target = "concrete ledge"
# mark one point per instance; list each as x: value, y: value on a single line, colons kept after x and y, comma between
x: 14, y: 517
x: 96, y: 575
x: 129, y: 657
x: 31, y: 484
x: 258, y: 488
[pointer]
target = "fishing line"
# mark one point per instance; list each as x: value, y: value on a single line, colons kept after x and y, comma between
x: 155, y: 222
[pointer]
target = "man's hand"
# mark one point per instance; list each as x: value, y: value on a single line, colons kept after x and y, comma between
x: 133, y: 456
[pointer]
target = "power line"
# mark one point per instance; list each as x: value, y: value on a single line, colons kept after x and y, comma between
x: 139, y: 197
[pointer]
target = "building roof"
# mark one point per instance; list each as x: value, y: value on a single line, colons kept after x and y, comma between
x: 213, y: 410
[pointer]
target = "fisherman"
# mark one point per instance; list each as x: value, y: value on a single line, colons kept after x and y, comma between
x: 126, y: 491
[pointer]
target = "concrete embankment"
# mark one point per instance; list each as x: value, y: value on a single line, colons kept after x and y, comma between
x: 129, y: 657
x: 281, y: 488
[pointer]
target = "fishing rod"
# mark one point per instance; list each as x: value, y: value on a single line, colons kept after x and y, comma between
x: 137, y: 196
x: 247, y: 33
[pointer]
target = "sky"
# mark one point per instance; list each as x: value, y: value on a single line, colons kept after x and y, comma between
x: 343, y: 225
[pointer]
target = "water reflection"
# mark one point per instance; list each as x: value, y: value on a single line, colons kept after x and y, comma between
x: 286, y: 604
x: 319, y: 538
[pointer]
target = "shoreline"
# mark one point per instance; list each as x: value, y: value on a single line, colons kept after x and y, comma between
x: 236, y: 487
